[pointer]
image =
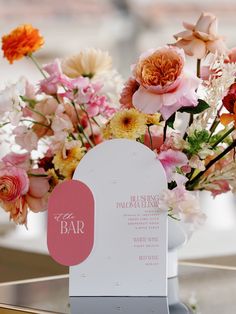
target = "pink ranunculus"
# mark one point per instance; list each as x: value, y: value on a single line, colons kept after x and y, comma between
x: 37, y: 195
x: 27, y: 139
x: 171, y: 159
x: 14, y: 183
x: 18, y: 210
x: 18, y: 160
x: 164, y: 85
x: 200, y: 39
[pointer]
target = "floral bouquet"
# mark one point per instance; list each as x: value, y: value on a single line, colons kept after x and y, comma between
x: 79, y: 102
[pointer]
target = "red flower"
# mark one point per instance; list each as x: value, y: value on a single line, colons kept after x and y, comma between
x: 229, y: 102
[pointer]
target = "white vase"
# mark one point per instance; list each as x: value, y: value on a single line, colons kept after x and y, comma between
x: 178, y: 234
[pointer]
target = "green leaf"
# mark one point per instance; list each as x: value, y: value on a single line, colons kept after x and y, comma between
x: 202, y: 105
x: 170, y: 121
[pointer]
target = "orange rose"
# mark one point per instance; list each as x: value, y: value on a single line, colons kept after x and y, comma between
x: 161, y: 68
x: 22, y: 41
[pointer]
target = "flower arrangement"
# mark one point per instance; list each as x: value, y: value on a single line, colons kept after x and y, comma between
x: 80, y: 102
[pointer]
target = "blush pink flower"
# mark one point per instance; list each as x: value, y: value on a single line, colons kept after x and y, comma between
x: 171, y: 159
x: 37, y: 195
x: 14, y: 183
x: 218, y: 187
x: 26, y: 138
x: 164, y: 86
x: 56, y: 79
x: 44, y: 111
x: 183, y: 205
x: 18, y: 160
x: 200, y: 39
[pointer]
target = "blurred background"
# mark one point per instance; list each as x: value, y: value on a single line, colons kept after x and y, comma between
x: 124, y: 28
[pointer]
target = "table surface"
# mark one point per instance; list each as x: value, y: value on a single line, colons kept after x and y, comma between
x: 204, y: 289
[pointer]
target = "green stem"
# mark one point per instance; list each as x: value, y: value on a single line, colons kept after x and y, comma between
x: 5, y: 123
x: 173, y: 217
x: 164, y: 132
x: 89, y: 122
x: 37, y: 112
x: 224, y: 136
x: 81, y: 128
x: 95, y: 121
x: 35, y: 122
x: 198, y: 68
x: 37, y: 65
x: 190, y: 185
x: 150, y: 136
x: 37, y: 175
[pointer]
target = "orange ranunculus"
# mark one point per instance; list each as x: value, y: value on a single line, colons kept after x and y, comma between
x: 21, y: 42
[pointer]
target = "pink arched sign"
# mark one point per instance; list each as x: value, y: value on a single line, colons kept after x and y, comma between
x: 70, y: 223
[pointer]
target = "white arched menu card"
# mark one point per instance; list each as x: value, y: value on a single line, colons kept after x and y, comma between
x: 129, y: 254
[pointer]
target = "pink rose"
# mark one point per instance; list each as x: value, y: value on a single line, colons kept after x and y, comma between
x: 14, y: 183
x: 164, y: 86
x: 37, y: 195
x: 200, y: 39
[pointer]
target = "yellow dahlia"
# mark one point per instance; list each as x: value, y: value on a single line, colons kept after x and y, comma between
x: 66, y: 166
x: 153, y: 118
x: 106, y: 131
x: 128, y: 123
x: 88, y: 63
x: 53, y: 178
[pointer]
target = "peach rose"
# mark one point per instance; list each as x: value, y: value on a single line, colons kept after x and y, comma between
x: 164, y: 86
x: 200, y: 39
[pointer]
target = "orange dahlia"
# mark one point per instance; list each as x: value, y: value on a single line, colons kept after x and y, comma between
x: 22, y: 41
